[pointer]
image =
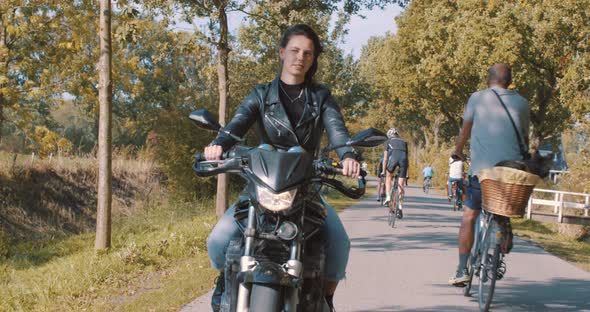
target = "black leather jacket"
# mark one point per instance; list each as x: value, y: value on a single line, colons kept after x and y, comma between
x: 262, y: 105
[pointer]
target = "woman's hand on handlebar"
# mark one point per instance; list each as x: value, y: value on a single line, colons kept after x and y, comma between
x: 351, y: 167
x: 213, y: 152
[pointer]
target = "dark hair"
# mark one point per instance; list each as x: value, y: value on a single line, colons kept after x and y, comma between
x: 309, y: 33
x: 500, y: 73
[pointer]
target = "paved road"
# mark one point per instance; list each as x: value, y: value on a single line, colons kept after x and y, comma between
x: 406, y: 268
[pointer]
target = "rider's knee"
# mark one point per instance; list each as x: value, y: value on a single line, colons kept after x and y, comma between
x: 215, y: 242
x: 470, y: 215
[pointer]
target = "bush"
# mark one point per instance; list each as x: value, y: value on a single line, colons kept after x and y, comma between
x: 4, y: 245
x: 175, y: 146
x: 49, y: 142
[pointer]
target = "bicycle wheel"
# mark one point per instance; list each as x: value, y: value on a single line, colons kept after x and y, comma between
x: 455, y: 204
x: 487, y: 276
x: 471, y: 271
x: 393, y: 205
x: 474, y: 260
x: 390, y: 216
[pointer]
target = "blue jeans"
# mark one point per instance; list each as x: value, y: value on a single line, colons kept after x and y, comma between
x: 459, y: 187
x: 473, y: 194
x: 336, y: 243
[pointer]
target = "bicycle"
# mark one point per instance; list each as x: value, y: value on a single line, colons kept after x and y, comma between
x: 427, y: 184
x: 456, y: 196
x: 488, y: 267
x: 393, y: 206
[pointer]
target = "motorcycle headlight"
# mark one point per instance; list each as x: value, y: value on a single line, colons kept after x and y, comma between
x: 275, y: 202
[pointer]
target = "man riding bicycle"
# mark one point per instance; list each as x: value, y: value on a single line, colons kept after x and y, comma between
x: 493, y: 139
x: 428, y: 172
x: 455, y: 175
x: 396, y: 154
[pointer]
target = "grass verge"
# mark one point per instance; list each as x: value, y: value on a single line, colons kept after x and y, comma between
x: 546, y: 236
x: 158, y: 262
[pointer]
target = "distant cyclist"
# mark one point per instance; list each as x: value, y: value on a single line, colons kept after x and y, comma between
x: 428, y: 172
x: 381, y: 176
x: 396, y: 154
x: 455, y: 175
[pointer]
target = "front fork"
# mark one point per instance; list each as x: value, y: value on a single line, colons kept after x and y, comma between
x: 247, y: 262
x: 293, y: 267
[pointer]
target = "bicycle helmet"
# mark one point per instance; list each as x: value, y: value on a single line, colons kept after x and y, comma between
x: 392, y: 132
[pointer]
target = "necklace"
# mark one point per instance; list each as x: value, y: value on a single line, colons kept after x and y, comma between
x: 287, y: 94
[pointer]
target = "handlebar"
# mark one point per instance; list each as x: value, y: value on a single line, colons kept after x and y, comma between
x: 204, y: 168
x: 233, y: 161
x: 328, y: 167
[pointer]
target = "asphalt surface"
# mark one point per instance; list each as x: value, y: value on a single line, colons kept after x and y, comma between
x: 406, y: 268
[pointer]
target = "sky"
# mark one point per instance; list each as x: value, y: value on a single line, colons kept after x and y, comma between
x: 377, y: 22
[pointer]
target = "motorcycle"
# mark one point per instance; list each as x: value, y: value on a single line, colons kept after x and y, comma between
x: 277, y: 262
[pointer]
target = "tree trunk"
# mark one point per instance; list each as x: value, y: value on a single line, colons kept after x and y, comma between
x: 223, y: 52
x: 103, y: 214
x: 3, y: 67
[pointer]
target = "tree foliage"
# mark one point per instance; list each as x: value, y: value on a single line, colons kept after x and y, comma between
x: 425, y: 73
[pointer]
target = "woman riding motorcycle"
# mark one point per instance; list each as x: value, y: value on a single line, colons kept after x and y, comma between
x: 292, y: 110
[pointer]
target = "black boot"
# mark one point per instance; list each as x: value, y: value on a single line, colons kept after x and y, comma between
x: 219, y: 289
x: 330, y: 302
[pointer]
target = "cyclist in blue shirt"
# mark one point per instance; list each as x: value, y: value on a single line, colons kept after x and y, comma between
x: 428, y: 172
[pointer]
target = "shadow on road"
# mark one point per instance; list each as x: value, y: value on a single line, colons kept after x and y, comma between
x: 396, y: 242
x: 426, y: 200
x: 425, y: 309
x: 560, y: 294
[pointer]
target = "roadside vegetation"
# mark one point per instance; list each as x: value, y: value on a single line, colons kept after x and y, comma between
x: 158, y: 261
x: 547, y: 236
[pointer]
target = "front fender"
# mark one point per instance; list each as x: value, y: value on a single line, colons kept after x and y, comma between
x: 269, y: 273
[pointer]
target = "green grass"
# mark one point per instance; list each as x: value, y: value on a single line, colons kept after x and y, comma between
x: 158, y: 261
x: 547, y: 237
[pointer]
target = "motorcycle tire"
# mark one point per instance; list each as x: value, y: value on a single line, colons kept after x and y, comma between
x: 265, y: 298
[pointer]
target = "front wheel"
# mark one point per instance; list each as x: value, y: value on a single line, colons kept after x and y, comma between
x: 393, y: 207
x: 488, y: 276
x: 471, y: 270
x: 265, y: 298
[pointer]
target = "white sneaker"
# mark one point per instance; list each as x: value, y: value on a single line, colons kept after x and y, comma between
x: 386, y: 202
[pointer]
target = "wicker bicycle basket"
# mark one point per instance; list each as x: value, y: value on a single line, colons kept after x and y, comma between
x: 506, y: 191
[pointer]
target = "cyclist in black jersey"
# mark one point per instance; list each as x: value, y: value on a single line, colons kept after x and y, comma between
x: 396, y: 154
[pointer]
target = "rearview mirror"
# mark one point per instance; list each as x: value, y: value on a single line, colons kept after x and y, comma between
x: 368, y: 138
x: 204, y: 120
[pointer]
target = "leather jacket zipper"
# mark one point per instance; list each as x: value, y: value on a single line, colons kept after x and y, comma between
x: 284, y: 126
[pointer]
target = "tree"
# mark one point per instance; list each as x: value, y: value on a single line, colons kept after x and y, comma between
x: 104, y: 200
x: 444, y: 48
x: 24, y: 51
x: 216, y: 13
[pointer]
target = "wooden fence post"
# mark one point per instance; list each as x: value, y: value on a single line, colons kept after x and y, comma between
x: 529, y: 212
x: 560, y: 213
x: 556, y: 206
